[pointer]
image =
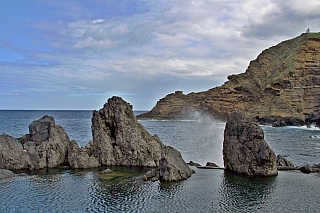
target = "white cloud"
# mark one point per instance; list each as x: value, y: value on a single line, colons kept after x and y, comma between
x: 188, y: 41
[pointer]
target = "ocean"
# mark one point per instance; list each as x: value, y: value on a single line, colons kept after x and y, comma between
x: 199, y: 140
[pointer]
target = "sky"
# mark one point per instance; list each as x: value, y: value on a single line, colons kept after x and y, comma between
x: 62, y: 54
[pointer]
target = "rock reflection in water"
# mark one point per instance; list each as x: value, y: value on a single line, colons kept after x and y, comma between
x: 243, y: 192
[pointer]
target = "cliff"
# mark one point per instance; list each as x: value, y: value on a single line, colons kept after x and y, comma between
x: 282, y: 82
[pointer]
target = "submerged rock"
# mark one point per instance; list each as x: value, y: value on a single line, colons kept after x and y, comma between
x: 244, y: 149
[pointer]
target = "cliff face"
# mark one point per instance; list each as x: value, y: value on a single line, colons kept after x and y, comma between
x: 284, y: 81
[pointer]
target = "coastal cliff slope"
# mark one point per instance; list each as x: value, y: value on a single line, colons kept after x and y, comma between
x: 283, y: 81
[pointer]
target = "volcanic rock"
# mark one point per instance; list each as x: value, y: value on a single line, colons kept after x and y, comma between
x: 283, y: 81
x: 244, y: 149
x: 307, y: 169
x: 45, y: 147
x: 283, y: 162
x: 119, y: 139
x: 172, y: 167
x: 78, y: 158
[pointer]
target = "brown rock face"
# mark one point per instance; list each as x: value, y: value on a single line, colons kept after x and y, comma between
x: 118, y: 138
x: 244, y: 148
x: 284, y: 81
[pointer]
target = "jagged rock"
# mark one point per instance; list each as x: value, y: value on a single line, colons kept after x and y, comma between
x: 78, y: 158
x: 191, y: 163
x: 52, y: 149
x: 307, y: 169
x: 4, y: 173
x: 283, y: 162
x: 283, y: 81
x: 45, y: 146
x: 119, y: 139
x: 210, y: 164
x: 12, y: 154
x: 40, y: 129
x: 279, y: 123
x: 244, y: 148
x: 172, y: 167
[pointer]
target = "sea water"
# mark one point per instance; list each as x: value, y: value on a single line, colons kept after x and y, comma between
x: 199, y: 140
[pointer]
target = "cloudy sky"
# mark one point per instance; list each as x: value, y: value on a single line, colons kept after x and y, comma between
x: 62, y: 54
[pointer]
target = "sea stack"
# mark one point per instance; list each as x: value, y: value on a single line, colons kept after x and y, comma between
x: 119, y: 139
x: 244, y: 149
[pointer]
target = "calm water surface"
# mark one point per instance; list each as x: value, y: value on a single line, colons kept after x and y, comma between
x: 59, y: 190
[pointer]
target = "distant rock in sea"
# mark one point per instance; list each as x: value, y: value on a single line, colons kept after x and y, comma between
x: 244, y: 149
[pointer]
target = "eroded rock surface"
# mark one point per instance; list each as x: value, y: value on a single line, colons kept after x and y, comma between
x: 172, y: 167
x: 46, y: 146
x: 244, y: 149
x: 119, y: 139
x: 282, y: 82
x: 283, y: 162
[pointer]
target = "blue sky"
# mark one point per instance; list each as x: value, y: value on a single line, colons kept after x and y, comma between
x: 61, y: 54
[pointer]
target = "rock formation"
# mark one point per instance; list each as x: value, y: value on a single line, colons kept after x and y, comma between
x: 244, y: 149
x: 283, y: 83
x: 119, y: 139
x: 282, y: 162
x: 47, y: 146
x: 172, y: 167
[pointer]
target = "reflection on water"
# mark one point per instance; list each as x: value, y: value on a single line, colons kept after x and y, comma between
x: 241, y: 192
x: 206, y: 191
x: 60, y: 190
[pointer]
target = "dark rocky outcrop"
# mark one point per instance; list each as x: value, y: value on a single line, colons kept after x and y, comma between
x: 282, y: 82
x: 172, y: 167
x: 78, y: 158
x: 307, y: 169
x: 45, y: 147
x: 283, y: 162
x: 191, y: 163
x: 211, y: 164
x: 119, y: 139
x: 244, y: 149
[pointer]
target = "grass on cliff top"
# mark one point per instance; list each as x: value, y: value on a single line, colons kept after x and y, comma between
x: 314, y: 35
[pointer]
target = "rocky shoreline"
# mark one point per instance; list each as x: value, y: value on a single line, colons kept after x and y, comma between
x: 280, y: 87
x: 118, y: 140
